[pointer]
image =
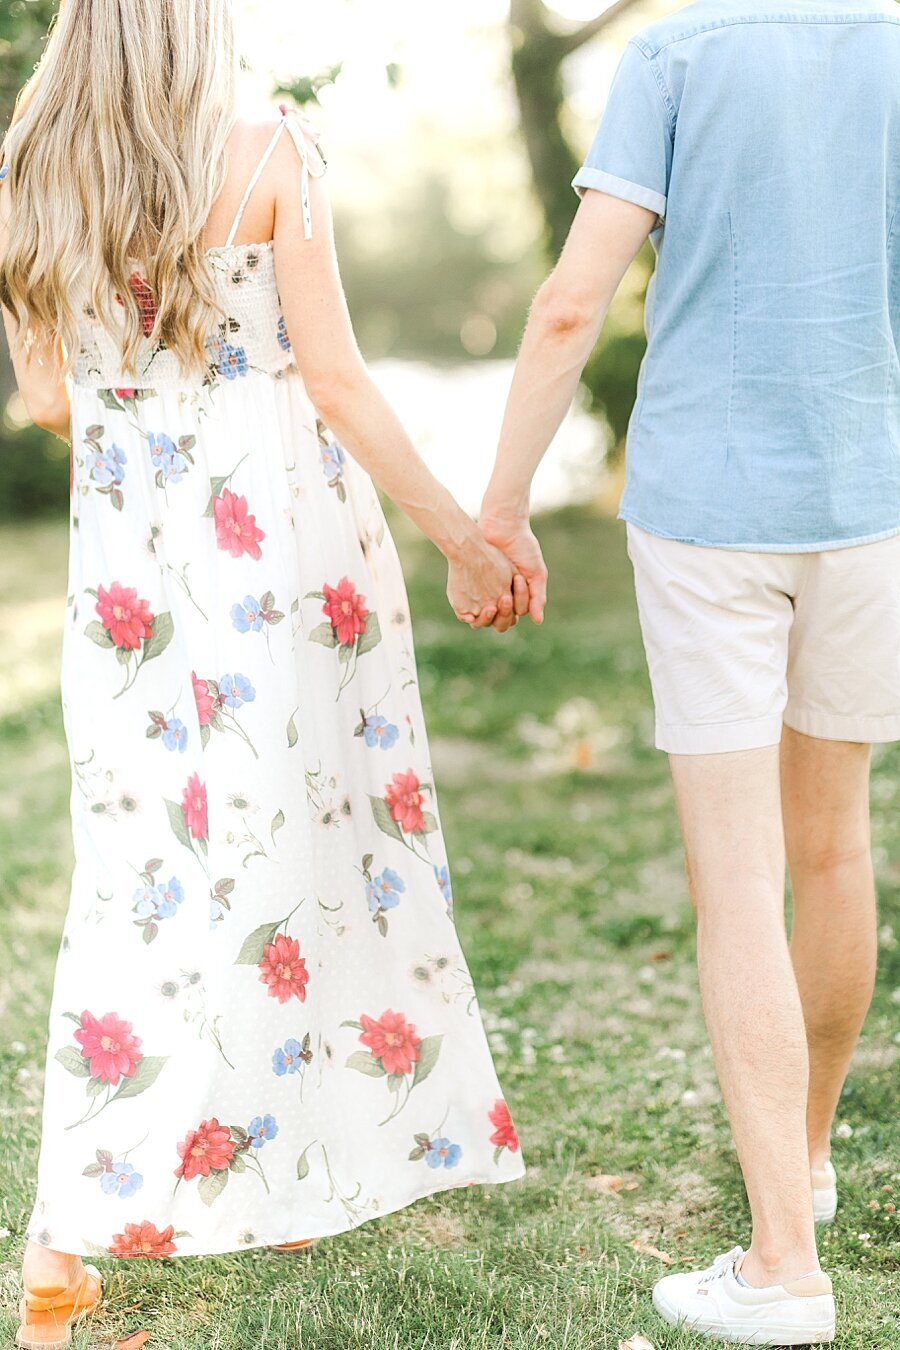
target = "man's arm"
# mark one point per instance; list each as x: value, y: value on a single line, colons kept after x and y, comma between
x: 564, y: 325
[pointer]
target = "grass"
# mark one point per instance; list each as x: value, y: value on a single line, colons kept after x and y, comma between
x: 573, y: 911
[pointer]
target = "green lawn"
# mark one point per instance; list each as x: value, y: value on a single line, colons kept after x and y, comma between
x: 572, y: 906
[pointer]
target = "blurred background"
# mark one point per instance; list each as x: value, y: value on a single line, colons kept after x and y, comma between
x: 453, y: 132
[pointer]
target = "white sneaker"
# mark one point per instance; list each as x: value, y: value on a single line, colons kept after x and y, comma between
x: 713, y: 1303
x: 824, y: 1184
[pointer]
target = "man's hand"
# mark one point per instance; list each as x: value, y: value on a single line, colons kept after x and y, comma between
x: 513, y: 536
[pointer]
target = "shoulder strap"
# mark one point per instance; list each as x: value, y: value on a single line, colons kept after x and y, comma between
x: 299, y: 129
x: 291, y: 120
x: 253, y: 182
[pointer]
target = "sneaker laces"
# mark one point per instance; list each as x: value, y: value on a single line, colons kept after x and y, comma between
x: 723, y: 1265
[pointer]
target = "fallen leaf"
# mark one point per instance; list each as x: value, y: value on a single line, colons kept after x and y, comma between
x: 134, y: 1341
x: 605, y: 1184
x: 646, y: 1250
x: 637, y: 1342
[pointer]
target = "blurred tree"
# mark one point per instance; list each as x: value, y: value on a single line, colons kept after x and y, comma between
x: 541, y: 42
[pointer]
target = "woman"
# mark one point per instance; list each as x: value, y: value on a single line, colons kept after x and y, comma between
x: 262, y: 1030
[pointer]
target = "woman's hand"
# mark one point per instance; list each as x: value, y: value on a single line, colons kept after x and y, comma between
x: 511, y: 533
x: 480, y: 587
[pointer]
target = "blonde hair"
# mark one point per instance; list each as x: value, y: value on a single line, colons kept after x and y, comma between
x: 116, y: 154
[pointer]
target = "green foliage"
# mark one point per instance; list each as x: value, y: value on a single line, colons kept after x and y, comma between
x: 34, y: 473
x: 23, y: 27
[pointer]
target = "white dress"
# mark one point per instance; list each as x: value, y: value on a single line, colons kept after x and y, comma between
x: 262, y: 1028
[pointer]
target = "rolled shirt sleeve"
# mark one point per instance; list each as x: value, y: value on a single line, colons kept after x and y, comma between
x: 631, y: 156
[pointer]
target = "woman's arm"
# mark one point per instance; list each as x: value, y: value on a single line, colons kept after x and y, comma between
x: 37, y: 370
x: 564, y: 325
x: 348, y: 400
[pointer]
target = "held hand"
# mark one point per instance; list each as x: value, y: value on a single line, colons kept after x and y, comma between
x: 479, y: 588
x: 513, y: 536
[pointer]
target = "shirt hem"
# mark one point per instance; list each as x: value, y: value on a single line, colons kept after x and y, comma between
x: 815, y: 546
x: 601, y: 181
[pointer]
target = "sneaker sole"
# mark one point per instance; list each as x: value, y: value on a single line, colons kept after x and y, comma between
x: 746, y: 1333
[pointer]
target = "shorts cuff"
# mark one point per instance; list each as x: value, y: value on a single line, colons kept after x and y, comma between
x: 711, y: 738
x: 836, y: 727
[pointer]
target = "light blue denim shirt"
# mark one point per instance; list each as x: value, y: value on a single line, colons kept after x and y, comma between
x: 766, y: 135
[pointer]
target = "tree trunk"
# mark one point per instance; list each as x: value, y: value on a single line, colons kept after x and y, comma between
x: 539, y: 51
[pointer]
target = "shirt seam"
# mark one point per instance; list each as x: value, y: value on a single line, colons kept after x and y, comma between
x: 662, y: 87
x: 651, y: 50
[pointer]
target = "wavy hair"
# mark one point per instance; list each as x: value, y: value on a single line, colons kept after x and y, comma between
x: 116, y: 153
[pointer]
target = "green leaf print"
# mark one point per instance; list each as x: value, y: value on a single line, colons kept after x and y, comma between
x: 73, y: 1060
x: 277, y: 822
x: 109, y: 400
x: 292, y: 733
x: 383, y: 818
x: 303, y: 1163
x: 365, y: 1063
x: 209, y: 1188
x: 176, y: 820
x: 253, y: 950
x: 371, y: 637
x: 146, y: 1072
x: 324, y: 634
x: 94, y: 432
x: 430, y: 823
x: 97, y: 633
x: 215, y: 487
x: 428, y: 1057
x: 237, y: 1164
x: 163, y: 630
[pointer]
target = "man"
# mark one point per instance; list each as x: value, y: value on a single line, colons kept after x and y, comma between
x: 759, y: 147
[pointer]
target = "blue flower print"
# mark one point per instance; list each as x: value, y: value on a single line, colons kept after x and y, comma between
x: 284, y: 341
x: 173, y: 468
x: 232, y: 361
x: 441, y: 1153
x: 174, y: 735
x: 122, y: 1181
x: 107, y: 467
x: 378, y: 731
x: 169, y: 897
x: 247, y: 617
x: 235, y: 690
x: 385, y: 890
x: 144, y: 900
x: 260, y: 1129
x: 162, y: 447
x: 333, y: 460
x: 442, y: 877
x: 287, y: 1059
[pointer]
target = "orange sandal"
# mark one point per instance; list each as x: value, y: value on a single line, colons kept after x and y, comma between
x: 49, y: 1321
x: 292, y: 1246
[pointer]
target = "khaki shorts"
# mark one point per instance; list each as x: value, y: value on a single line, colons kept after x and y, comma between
x: 739, y: 643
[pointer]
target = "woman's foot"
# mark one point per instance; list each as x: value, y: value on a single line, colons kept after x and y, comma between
x: 59, y: 1290
x: 46, y: 1273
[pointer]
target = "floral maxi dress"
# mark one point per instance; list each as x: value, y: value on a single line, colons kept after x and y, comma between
x: 262, y: 1027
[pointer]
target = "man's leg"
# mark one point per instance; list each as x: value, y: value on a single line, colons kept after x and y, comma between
x: 729, y: 806
x: 825, y: 796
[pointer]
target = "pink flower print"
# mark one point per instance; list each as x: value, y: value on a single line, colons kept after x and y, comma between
x: 392, y: 1040
x: 127, y: 619
x: 194, y: 807
x: 404, y: 798
x: 108, y: 1044
x: 237, y: 532
x: 346, y: 611
x: 283, y: 969
x: 204, y: 698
